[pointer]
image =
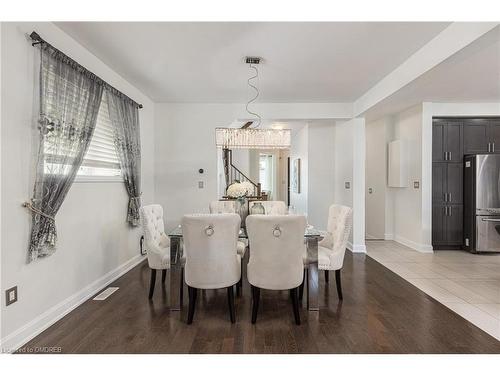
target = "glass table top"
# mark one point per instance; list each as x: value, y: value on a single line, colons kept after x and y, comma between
x: 310, y: 232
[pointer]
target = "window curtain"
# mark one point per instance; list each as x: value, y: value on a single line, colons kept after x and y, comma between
x: 69, y: 102
x: 124, y: 114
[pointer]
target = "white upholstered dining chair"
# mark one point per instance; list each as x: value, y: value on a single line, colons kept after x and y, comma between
x: 276, y: 256
x: 157, y: 243
x: 270, y: 207
x: 212, y: 261
x: 331, y: 248
x: 230, y: 207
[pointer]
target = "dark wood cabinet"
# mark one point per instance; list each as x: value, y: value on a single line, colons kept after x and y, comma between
x: 475, y: 136
x: 438, y: 226
x: 481, y: 136
x: 454, y: 183
x: 438, y: 136
x: 454, y: 225
x: 447, y: 141
x: 494, y: 135
x: 439, y: 192
x: 454, y: 142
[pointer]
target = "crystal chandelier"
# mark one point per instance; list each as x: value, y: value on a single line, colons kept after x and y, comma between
x: 252, y: 138
x: 248, y: 137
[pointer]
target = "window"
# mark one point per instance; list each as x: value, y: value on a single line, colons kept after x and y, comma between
x: 266, y: 172
x: 101, y: 159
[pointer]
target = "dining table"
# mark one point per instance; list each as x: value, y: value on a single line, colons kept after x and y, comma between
x: 312, y: 237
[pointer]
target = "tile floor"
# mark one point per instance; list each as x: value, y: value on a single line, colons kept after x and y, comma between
x: 468, y: 284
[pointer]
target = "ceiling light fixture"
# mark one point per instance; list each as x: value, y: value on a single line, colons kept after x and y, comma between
x: 252, y: 137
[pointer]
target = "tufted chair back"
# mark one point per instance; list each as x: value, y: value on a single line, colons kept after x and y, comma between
x: 156, y: 241
x: 338, y: 230
x: 277, y: 250
x: 210, y: 241
x: 224, y: 207
x: 272, y: 207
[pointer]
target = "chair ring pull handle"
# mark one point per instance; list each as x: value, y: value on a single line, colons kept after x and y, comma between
x: 209, y: 230
x: 276, y: 231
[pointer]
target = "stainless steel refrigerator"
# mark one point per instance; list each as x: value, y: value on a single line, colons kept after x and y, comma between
x: 482, y: 203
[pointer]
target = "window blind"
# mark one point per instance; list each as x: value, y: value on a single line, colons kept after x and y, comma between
x: 102, y: 152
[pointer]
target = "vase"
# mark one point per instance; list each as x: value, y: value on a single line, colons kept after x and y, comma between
x: 257, y: 209
x: 243, y: 210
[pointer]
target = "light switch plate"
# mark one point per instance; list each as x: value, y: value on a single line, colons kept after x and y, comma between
x: 416, y: 184
x: 347, y: 185
x: 11, y: 296
x: 200, y: 184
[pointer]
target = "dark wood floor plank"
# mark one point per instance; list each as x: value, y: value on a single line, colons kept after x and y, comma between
x: 380, y: 313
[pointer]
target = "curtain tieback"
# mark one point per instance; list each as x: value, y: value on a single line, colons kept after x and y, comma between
x: 30, y: 207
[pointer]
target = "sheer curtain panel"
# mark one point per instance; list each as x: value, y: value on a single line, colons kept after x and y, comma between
x: 124, y: 114
x: 69, y: 102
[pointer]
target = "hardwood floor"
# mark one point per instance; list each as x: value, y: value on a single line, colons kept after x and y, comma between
x: 380, y: 313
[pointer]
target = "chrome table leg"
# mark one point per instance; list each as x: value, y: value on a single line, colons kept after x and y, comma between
x: 312, y: 274
x: 175, y: 282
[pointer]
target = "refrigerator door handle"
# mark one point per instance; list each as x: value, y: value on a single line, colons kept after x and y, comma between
x: 493, y: 147
x: 450, y: 212
x: 449, y: 197
x: 489, y: 146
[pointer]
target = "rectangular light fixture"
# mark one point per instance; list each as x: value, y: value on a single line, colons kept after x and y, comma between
x: 253, y: 138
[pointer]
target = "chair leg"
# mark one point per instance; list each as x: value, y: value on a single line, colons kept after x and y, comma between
x: 255, y: 305
x: 301, y: 287
x: 181, y: 287
x: 192, y: 302
x: 230, y: 301
x: 152, y: 282
x: 339, y: 284
x: 239, y: 285
x: 295, y: 303
x: 327, y: 276
x: 163, y: 276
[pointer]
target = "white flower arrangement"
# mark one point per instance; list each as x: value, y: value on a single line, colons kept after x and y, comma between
x: 240, y: 189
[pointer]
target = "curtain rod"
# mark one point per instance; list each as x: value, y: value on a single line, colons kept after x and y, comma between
x: 38, y: 40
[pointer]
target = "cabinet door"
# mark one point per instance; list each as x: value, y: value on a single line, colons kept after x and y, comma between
x: 439, y: 175
x: 476, y: 137
x: 438, y: 226
x: 494, y: 135
x: 453, y: 141
x: 454, y: 225
x: 454, y: 183
x: 438, y: 134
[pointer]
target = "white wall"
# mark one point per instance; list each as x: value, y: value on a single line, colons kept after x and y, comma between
x: 185, y: 142
x: 321, y: 145
x: 300, y: 149
x: 95, y: 242
x: 407, y: 201
x: 376, y: 179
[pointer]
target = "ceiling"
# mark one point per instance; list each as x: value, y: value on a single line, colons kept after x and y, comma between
x: 471, y: 75
x: 203, y: 62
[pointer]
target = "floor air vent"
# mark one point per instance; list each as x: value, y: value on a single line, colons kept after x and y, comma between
x: 105, y: 293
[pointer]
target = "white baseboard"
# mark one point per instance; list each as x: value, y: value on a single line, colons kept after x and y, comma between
x: 356, y: 248
x: 388, y: 236
x: 33, y: 328
x: 422, y: 248
x: 370, y: 237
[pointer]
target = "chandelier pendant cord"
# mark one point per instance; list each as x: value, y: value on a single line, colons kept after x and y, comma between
x: 249, y: 81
